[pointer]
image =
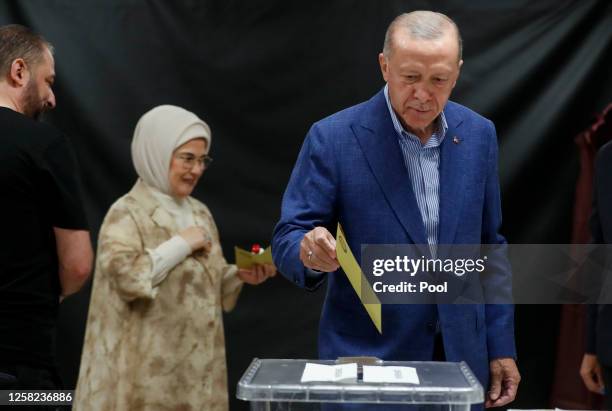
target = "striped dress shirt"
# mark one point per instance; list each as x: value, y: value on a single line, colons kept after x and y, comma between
x: 423, y: 163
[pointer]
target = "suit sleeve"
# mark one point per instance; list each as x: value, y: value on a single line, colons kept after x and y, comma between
x: 308, y: 202
x: 497, y: 284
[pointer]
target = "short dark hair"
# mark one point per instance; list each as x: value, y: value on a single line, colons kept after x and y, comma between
x: 17, y: 41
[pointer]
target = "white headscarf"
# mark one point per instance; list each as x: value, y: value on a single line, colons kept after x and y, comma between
x: 158, y: 133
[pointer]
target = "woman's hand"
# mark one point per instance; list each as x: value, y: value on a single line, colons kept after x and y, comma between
x: 257, y: 274
x: 196, y: 238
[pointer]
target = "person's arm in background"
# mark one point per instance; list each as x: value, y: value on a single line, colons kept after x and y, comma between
x: 590, y: 370
x: 75, y: 258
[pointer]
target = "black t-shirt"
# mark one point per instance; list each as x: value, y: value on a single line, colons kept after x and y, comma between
x: 39, y: 187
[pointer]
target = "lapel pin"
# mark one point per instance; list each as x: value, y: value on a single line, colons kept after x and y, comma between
x: 456, y: 140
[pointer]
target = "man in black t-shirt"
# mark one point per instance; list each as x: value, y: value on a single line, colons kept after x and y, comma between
x: 45, y: 248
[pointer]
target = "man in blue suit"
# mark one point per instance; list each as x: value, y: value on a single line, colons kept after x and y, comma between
x: 405, y: 167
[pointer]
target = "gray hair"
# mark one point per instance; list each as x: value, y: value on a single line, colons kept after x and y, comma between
x: 422, y: 25
x: 18, y: 41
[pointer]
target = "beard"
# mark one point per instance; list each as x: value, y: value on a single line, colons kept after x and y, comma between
x: 33, y: 104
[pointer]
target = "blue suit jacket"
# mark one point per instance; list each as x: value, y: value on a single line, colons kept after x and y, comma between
x: 351, y: 170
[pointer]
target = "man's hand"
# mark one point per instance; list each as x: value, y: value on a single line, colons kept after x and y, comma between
x: 318, y: 250
x: 257, y: 274
x: 590, y: 371
x: 504, y: 383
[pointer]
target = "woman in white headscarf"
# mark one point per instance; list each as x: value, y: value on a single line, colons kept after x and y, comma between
x: 154, y: 338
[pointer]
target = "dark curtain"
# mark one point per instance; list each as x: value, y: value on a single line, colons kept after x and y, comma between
x: 261, y: 72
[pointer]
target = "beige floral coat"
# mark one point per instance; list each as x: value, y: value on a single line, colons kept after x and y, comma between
x: 155, y: 348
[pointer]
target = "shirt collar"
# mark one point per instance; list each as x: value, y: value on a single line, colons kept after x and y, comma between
x: 439, y: 132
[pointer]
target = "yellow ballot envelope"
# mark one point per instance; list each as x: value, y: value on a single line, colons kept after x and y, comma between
x: 358, y: 279
x: 246, y: 259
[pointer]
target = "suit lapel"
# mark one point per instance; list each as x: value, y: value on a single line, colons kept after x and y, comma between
x: 452, y: 180
x: 379, y: 143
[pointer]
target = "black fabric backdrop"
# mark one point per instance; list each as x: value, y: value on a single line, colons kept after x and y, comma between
x: 261, y: 72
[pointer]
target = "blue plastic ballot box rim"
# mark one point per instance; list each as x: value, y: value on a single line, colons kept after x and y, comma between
x: 278, y: 380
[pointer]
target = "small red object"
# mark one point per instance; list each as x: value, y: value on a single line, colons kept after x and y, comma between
x: 255, y: 248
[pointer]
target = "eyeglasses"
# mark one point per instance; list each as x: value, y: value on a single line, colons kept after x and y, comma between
x: 189, y: 160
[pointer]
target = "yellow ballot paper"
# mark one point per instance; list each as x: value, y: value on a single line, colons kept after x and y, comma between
x: 246, y: 259
x: 358, y: 280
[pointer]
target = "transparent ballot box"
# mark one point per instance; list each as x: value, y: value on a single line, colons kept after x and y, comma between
x: 275, y: 385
